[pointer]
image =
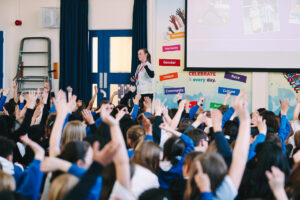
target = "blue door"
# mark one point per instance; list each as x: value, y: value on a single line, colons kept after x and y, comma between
x: 110, y: 52
x: 1, y: 59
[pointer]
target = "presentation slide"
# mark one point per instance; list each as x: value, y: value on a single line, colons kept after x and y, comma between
x: 244, y: 34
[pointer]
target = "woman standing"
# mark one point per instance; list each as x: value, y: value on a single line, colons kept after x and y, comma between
x: 144, y: 75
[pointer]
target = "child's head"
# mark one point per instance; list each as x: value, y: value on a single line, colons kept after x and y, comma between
x: 61, y: 186
x: 73, y: 131
x: 148, y: 155
x: 173, y: 149
x: 134, y: 135
x: 6, y: 148
x: 213, y: 165
x: 199, y: 138
x: 188, y: 160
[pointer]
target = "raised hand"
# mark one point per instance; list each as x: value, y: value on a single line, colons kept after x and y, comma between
x: 39, y: 152
x: 201, y: 179
x: 181, y: 105
x: 178, y: 96
x: 31, y: 99
x: 136, y: 99
x: 106, y: 155
x: 276, y: 182
x: 87, y: 116
x: 6, y: 92
x: 106, y: 117
x: 121, y: 113
x: 227, y: 97
x: 62, y: 106
x: 284, y: 106
x: 69, y: 89
x: 240, y: 104
x: 147, y: 104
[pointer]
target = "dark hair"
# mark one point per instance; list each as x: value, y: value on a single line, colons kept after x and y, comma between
x: 297, y: 139
x: 183, y: 124
x: 223, y: 108
x: 9, y: 195
x: 173, y: 147
x: 255, y: 183
x: 231, y: 129
x: 196, y: 135
x: 260, y: 110
x: 6, y: 147
x: 73, y: 151
x: 271, y: 121
x: 153, y: 194
x: 148, y: 54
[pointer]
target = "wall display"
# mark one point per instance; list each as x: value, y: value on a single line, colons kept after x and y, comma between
x: 170, y: 76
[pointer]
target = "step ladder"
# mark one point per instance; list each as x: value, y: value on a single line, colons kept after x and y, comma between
x: 34, y: 64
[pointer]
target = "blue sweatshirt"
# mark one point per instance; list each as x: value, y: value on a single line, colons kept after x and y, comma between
x: 2, y: 102
x: 259, y: 139
x: 284, y: 132
x: 135, y: 111
x: 30, y: 182
x: 97, y: 123
x: 165, y: 177
x: 193, y: 111
x: 95, y: 192
x: 227, y: 115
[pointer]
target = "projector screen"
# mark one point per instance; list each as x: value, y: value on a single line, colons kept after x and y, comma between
x: 245, y: 35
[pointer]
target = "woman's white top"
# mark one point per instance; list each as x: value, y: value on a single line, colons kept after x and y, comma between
x: 143, y: 81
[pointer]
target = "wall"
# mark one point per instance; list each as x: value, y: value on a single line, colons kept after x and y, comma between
x: 101, y: 17
x: 29, y: 13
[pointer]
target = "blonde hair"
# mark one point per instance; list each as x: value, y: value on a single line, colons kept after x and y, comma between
x: 61, y: 186
x: 73, y: 131
x: 7, y: 182
x: 136, y: 135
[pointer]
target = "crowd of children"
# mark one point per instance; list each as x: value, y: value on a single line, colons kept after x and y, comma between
x: 53, y: 146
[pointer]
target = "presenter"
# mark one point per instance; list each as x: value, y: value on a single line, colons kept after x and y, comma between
x: 144, y: 75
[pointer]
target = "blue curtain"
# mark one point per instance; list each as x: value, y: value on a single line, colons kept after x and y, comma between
x: 74, y: 62
x: 139, y: 31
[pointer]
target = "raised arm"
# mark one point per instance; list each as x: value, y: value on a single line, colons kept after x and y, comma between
x: 63, y: 109
x: 93, y: 98
x: 121, y: 159
x: 240, y: 152
x: 177, y: 117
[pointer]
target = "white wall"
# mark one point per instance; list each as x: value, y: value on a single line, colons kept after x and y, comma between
x: 103, y: 15
x: 29, y: 12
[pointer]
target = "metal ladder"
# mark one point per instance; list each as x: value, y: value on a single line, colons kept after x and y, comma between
x: 34, y: 74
